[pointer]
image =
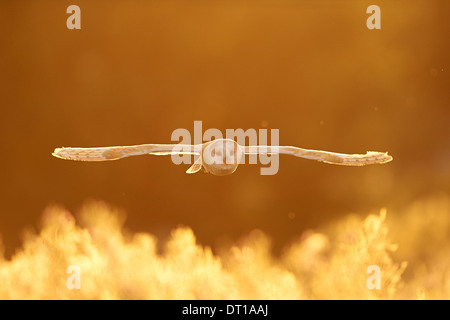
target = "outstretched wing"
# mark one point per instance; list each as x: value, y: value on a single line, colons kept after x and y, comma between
x: 114, y: 153
x: 371, y: 157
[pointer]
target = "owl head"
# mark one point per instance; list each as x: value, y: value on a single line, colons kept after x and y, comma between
x: 219, y: 157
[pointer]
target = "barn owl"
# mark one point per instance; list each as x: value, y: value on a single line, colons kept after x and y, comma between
x: 219, y: 157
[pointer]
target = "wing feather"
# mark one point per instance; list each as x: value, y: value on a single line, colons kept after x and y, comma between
x: 118, y: 152
x: 371, y: 157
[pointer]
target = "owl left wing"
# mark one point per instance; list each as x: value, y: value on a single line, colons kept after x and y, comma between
x: 371, y: 157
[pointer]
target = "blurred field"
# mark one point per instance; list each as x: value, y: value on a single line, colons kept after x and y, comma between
x: 138, y: 70
x: 326, y: 264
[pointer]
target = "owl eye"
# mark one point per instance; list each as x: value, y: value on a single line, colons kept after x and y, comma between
x: 213, y: 153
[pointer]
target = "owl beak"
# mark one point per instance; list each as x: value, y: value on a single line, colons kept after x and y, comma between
x: 196, y: 167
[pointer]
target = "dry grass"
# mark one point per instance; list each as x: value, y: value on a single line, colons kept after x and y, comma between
x: 327, y: 265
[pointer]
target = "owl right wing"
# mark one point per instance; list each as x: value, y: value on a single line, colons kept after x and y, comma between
x: 118, y: 152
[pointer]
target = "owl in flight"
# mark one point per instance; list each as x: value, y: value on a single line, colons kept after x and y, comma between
x: 219, y: 157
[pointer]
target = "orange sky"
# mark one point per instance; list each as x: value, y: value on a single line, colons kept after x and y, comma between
x: 137, y: 70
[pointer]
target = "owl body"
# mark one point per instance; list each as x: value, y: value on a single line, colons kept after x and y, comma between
x: 219, y: 157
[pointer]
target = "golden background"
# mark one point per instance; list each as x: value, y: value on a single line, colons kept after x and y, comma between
x: 137, y: 70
